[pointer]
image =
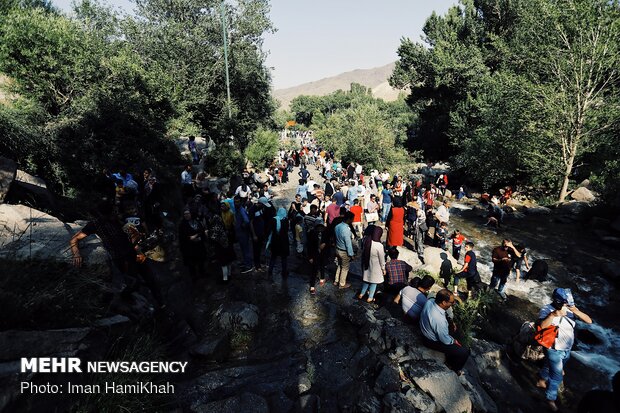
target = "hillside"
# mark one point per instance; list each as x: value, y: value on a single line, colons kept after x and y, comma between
x: 375, y: 78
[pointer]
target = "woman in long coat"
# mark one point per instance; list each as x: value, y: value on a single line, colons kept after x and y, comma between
x: 373, y: 263
x: 191, y: 242
x: 395, y: 224
x: 278, y: 241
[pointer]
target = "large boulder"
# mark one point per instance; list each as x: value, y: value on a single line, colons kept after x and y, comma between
x: 573, y: 208
x: 27, y: 233
x: 438, y: 261
x: 537, y: 210
x: 582, y: 194
x: 237, y: 315
x: 8, y: 171
x: 442, y: 384
x: 410, y: 257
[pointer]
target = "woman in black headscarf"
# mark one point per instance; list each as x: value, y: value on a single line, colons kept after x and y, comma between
x: 373, y: 263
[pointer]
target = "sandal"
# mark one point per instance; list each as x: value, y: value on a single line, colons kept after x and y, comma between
x: 312, y: 290
x: 321, y: 282
x: 369, y: 300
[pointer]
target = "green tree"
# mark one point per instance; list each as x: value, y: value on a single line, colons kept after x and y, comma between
x: 362, y: 134
x: 263, y: 148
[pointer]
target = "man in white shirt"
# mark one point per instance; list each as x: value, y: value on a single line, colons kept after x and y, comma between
x: 443, y: 213
x: 561, y: 313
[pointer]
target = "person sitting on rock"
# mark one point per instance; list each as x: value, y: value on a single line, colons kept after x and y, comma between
x: 413, y: 297
x: 396, y: 273
x: 436, y: 332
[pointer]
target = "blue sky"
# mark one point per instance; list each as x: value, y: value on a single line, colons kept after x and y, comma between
x: 321, y: 38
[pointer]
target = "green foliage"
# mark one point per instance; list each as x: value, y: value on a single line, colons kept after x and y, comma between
x: 516, y: 92
x: 467, y: 315
x: 362, y: 134
x: 263, y: 148
x: 224, y: 160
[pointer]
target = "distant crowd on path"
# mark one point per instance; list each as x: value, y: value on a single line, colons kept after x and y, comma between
x: 344, y: 216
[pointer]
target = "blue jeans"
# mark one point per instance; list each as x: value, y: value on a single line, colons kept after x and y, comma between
x: 499, y: 279
x: 552, y: 370
x: 370, y: 287
x: 385, y: 211
x: 246, y: 248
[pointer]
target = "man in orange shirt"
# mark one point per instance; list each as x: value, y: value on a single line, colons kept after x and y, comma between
x: 357, y: 210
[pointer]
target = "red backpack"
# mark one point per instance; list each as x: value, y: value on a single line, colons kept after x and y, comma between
x: 546, y: 336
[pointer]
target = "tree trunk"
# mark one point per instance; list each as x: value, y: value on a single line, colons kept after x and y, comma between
x: 569, y: 168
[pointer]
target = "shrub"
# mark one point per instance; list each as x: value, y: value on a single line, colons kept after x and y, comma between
x: 225, y: 161
x: 263, y: 148
x: 468, y: 313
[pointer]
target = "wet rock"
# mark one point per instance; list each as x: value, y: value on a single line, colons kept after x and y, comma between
x: 442, y: 384
x: 537, y: 210
x: 358, y: 397
x: 582, y: 194
x: 587, y: 337
x: 17, y: 344
x: 388, y: 380
x: 611, y: 271
x: 215, y: 348
x: 237, y: 314
x: 8, y: 171
x: 245, y: 402
x: 480, y: 400
x: 309, y: 403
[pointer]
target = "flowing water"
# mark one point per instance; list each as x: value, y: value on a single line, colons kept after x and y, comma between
x: 593, y: 294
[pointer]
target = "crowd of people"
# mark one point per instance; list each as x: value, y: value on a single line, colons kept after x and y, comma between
x: 344, y: 214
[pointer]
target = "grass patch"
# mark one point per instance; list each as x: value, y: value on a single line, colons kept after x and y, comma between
x: 139, y: 344
x: 45, y: 294
x: 469, y: 314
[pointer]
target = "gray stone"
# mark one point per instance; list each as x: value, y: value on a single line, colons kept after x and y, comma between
x: 303, y: 383
x: 585, y: 183
x: 582, y: 194
x: 573, y: 207
x: 245, y: 402
x: 17, y: 344
x: 308, y: 403
x: 388, y: 380
x: 537, y: 210
x: 410, y: 257
x: 280, y: 403
x: 8, y: 171
x: 437, y: 260
x: 420, y: 400
x: 396, y: 402
x: 237, y: 315
x: 215, y: 348
x: 29, y: 233
x: 112, y: 322
x: 481, y: 401
x: 442, y: 384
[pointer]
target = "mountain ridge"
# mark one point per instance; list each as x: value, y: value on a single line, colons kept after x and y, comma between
x: 375, y: 78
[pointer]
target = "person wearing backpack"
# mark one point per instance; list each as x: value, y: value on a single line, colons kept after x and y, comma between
x: 556, y: 333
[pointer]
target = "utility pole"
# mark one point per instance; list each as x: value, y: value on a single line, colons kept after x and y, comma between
x: 225, y: 40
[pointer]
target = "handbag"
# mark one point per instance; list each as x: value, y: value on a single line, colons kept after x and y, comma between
x: 372, y: 216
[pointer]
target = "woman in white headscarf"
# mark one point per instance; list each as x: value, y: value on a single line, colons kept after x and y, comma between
x: 278, y: 242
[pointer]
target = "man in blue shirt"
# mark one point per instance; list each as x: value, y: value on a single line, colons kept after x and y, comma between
x: 353, y: 191
x: 344, y: 250
x: 436, y: 332
x: 386, y: 201
x: 338, y: 197
x: 302, y: 189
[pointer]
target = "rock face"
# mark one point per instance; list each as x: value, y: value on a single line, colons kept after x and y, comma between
x: 438, y: 261
x: 582, y: 194
x: 611, y: 271
x: 17, y: 344
x: 245, y: 402
x: 29, y: 233
x: 537, y: 210
x: 8, y: 171
x: 410, y: 257
x: 237, y: 314
x: 442, y: 384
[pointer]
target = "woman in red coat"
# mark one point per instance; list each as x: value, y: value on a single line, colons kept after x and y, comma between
x: 395, y: 223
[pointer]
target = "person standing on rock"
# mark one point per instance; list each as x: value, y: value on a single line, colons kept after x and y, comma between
x: 436, y: 332
x: 278, y: 241
x: 502, y: 258
x: 344, y: 250
x: 373, y: 264
x: 386, y: 201
x: 191, y: 241
x: 316, y: 256
x: 243, y: 234
x: 260, y: 216
x: 187, y: 183
x: 469, y: 271
x: 559, y: 316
